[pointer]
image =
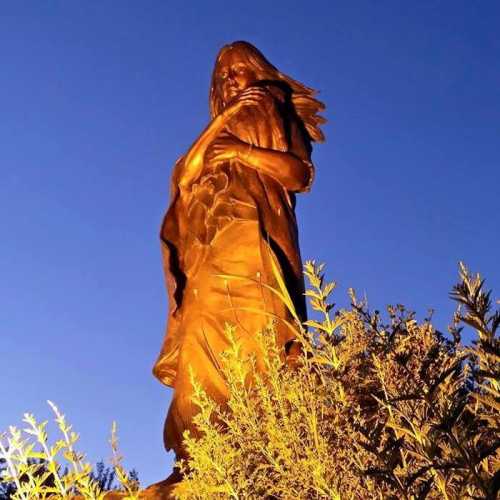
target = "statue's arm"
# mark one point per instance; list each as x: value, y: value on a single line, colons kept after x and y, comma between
x: 292, y: 168
x: 195, y: 157
x: 193, y: 161
x: 293, y: 172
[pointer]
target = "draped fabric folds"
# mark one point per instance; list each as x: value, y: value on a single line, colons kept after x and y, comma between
x: 219, y: 241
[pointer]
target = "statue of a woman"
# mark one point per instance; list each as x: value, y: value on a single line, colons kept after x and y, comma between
x: 231, y: 216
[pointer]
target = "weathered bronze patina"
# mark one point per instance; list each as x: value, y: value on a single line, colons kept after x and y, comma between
x: 231, y: 215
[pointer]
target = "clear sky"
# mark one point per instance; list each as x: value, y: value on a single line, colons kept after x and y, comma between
x: 98, y: 99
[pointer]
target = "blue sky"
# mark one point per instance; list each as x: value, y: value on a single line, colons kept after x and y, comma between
x: 98, y: 99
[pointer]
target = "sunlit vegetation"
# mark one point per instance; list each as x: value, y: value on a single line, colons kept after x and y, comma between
x: 32, y: 468
x: 373, y: 409
x: 376, y: 406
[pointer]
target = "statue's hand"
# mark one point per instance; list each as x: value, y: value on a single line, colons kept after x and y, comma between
x: 253, y: 96
x: 224, y: 148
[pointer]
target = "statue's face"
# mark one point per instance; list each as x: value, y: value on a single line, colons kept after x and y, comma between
x: 234, y: 75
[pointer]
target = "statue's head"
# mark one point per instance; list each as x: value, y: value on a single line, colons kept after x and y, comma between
x: 240, y: 65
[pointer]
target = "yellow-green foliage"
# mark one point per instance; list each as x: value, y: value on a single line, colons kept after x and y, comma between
x: 34, y: 467
x: 370, y: 410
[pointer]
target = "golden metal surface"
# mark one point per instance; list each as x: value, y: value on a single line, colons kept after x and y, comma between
x: 232, y: 214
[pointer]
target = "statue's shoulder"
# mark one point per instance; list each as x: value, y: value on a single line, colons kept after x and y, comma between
x: 176, y: 174
x: 276, y: 91
x: 276, y: 94
x: 179, y: 161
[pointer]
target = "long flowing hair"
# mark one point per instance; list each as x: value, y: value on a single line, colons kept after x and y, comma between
x: 305, y: 105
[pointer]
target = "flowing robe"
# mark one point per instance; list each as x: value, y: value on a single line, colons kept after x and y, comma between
x: 219, y: 242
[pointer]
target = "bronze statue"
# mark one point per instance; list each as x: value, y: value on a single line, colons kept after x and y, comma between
x: 231, y: 215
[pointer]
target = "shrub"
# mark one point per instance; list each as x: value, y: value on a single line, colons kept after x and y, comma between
x: 32, y: 468
x: 371, y: 409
